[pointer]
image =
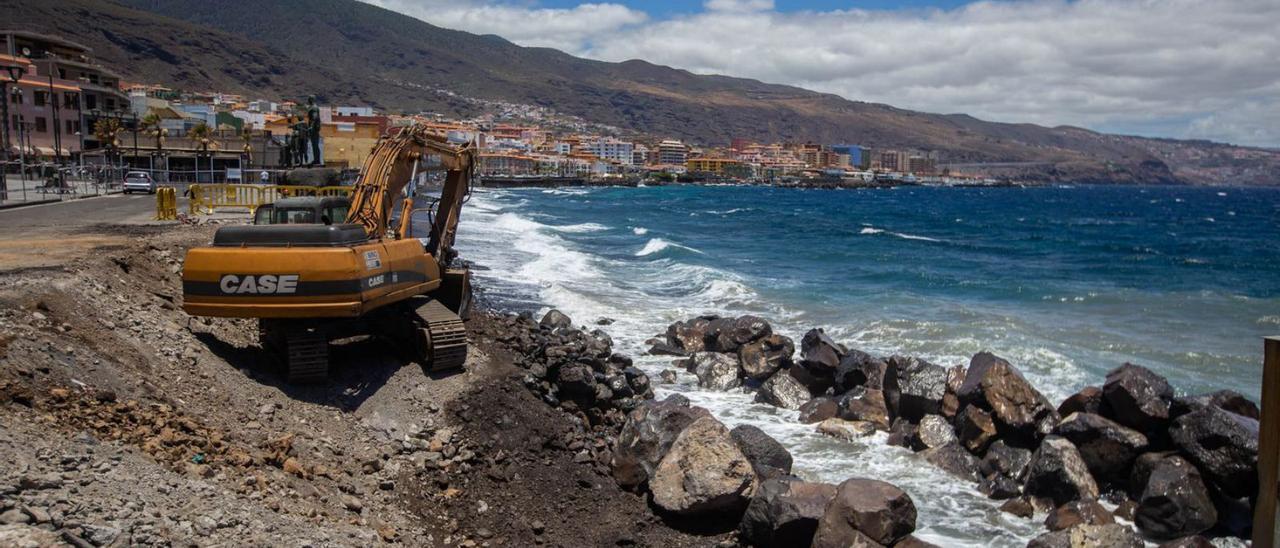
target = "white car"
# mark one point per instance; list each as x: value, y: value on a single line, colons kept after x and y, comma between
x: 139, y: 181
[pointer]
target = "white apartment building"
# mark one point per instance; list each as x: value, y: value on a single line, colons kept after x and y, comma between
x: 609, y: 148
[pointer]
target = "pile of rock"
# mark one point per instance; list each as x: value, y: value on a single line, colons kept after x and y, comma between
x: 696, y: 469
x: 1177, y: 467
x: 573, y: 368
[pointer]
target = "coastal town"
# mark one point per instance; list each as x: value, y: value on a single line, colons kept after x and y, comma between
x: 67, y: 114
x: 646, y: 373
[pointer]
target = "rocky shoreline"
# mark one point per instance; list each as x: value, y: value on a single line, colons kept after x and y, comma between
x: 128, y: 423
x: 1182, y: 470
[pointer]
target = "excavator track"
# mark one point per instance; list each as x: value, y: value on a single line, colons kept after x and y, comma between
x: 307, y: 358
x: 442, y: 337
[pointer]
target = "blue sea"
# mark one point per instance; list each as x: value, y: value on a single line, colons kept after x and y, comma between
x: 1064, y: 282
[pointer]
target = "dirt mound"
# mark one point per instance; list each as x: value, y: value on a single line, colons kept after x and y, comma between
x: 127, y: 422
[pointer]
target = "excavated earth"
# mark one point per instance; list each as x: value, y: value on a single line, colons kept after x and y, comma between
x: 125, y: 422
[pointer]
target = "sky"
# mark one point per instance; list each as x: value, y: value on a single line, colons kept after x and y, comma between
x: 1193, y: 69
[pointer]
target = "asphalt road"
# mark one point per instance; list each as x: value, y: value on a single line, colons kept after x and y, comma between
x: 115, y: 208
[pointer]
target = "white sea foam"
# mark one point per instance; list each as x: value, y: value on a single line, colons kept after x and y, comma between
x: 580, y: 227
x: 656, y: 245
x: 870, y: 230
x: 640, y: 231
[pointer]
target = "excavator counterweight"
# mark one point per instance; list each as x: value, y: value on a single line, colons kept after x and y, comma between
x: 308, y: 284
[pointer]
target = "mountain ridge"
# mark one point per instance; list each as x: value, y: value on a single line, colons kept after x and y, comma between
x: 348, y: 51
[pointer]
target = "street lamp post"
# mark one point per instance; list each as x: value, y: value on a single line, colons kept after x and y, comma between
x: 14, y: 73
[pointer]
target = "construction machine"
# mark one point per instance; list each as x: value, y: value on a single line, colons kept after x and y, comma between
x: 308, y: 284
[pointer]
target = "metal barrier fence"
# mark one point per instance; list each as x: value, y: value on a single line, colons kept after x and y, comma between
x: 166, y: 204
x: 207, y: 198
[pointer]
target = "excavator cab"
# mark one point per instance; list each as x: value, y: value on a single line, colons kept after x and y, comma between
x: 310, y: 283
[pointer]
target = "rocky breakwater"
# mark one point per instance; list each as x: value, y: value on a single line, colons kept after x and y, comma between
x: 697, y: 474
x: 573, y: 368
x: 1182, y: 469
x: 700, y: 474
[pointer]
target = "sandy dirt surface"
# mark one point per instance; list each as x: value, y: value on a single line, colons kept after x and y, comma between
x: 126, y: 422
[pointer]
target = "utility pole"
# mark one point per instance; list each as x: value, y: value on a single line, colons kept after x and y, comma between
x: 57, y: 127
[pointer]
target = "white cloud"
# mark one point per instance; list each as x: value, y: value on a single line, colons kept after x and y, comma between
x: 565, y: 29
x: 1192, y: 68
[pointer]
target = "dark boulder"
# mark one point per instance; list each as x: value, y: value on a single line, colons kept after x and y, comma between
x: 639, y: 382
x: 577, y: 381
x: 933, y: 431
x: 851, y: 373
x: 1227, y: 400
x: 818, y: 382
x: 1059, y: 473
x: 859, y: 370
x: 1141, y: 471
x: 768, y: 457
x: 1112, y: 535
x: 950, y: 401
x: 1088, y: 400
x: 921, y: 387
x: 556, y: 320
x: 976, y: 429
x: 954, y: 460
x: 1188, y: 542
x: 716, y: 371
x: 1107, y: 447
x: 666, y: 349
x: 784, y: 390
x: 867, y: 405
x: 1022, y: 507
x: 1004, y: 460
x: 1069, y: 515
x: 873, y: 508
x: 784, y: 512
x: 733, y: 334
x: 911, y: 541
x: 764, y: 357
x: 901, y: 433
x: 1223, y: 445
x: 647, y: 435
x: 1019, y: 410
x: 690, y: 336
x: 819, y: 353
x: 819, y: 409
x: 998, y: 487
x: 1138, y: 398
x: 703, y: 474
x: 1176, y: 502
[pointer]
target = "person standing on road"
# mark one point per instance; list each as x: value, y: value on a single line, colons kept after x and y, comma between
x: 264, y: 177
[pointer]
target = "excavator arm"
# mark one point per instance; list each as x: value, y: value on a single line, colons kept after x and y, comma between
x: 389, y: 169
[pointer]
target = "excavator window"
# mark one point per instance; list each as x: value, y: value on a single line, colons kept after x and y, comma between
x: 293, y: 216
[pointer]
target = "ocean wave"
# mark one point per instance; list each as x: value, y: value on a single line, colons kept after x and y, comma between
x: 640, y: 230
x: 657, y: 245
x: 730, y: 211
x: 567, y: 191
x: 580, y: 227
x: 871, y: 230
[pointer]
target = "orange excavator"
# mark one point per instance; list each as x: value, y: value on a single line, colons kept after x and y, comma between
x: 308, y: 284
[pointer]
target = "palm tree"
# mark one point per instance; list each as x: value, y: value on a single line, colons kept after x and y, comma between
x: 107, y: 131
x: 202, y: 136
x: 150, y: 126
x: 246, y: 135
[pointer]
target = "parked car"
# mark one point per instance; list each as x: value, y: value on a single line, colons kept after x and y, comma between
x: 139, y: 181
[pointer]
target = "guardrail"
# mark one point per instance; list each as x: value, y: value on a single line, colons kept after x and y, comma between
x: 166, y: 204
x: 208, y: 198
